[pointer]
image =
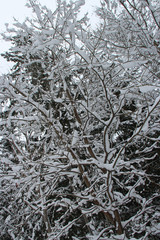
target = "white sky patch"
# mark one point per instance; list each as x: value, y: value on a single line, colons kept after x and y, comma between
x: 16, y: 9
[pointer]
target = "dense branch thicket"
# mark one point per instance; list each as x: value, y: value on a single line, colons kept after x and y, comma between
x: 80, y: 124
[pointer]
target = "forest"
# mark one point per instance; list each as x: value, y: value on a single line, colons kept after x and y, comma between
x: 79, y: 124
